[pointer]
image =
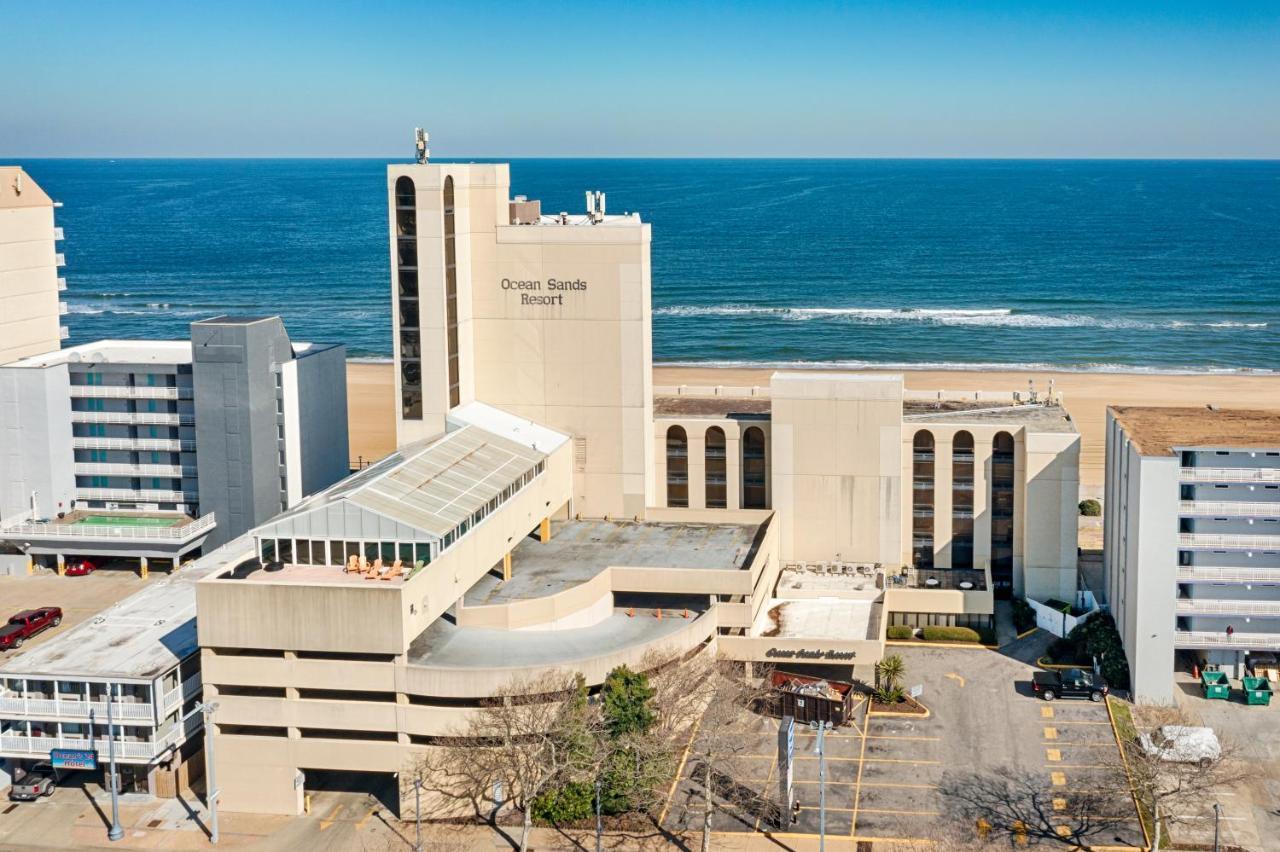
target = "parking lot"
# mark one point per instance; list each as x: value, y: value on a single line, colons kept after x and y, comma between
x: 897, y: 777
x: 80, y: 598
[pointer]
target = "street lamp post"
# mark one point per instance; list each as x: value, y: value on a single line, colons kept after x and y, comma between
x: 821, y: 750
x: 116, y: 832
x: 417, y: 813
x: 211, y: 787
x: 1217, y: 815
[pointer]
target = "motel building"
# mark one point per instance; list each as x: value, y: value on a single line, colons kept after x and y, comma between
x: 549, y: 509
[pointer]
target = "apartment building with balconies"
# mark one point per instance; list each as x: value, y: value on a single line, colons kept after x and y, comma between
x: 30, y: 268
x: 1192, y: 538
x: 151, y: 450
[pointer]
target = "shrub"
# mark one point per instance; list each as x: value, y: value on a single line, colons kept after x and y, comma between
x: 1024, y: 617
x: 1063, y: 650
x: 889, y: 694
x: 950, y: 634
x: 1090, y: 508
x: 1098, y: 637
x: 571, y: 803
x: 899, y: 631
x: 625, y: 697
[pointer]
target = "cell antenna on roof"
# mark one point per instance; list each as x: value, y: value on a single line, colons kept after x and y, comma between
x: 420, y: 138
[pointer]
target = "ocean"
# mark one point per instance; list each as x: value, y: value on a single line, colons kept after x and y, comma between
x: 1104, y: 265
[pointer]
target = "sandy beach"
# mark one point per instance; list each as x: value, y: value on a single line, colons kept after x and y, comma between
x: 1086, y: 395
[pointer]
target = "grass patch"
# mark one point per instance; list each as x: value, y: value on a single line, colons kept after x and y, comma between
x: 1127, y: 730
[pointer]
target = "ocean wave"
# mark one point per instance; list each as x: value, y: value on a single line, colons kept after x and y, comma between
x: 971, y: 366
x: 994, y: 317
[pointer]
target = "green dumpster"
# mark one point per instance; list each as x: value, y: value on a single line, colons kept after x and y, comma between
x: 1256, y: 690
x: 1215, y: 685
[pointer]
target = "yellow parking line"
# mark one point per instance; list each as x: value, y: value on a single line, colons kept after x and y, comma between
x: 899, y: 813
x: 913, y: 739
x: 857, y: 789
x: 765, y: 791
x: 1046, y: 712
x: 1059, y: 804
x: 329, y: 819
x: 902, y: 786
x: 1050, y: 733
x: 898, y: 760
x: 1059, y: 779
x: 662, y: 817
x: 1053, y: 755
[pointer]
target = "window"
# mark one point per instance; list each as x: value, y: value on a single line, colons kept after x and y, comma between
x: 451, y: 295
x: 1002, y: 503
x: 962, y: 500
x: 922, y: 499
x: 677, y: 467
x: 754, y: 488
x: 716, y: 473
x: 407, y: 275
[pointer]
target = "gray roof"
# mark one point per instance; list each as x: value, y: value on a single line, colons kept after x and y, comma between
x: 427, y: 488
x: 140, y: 637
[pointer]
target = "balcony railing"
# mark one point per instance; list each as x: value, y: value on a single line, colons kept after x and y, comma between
x: 182, y: 692
x: 1201, y: 574
x: 125, y: 749
x: 143, y: 418
x: 1218, y: 606
x: 60, y: 259
x: 71, y: 709
x: 128, y: 392
x: 139, y: 495
x: 175, y: 471
x: 62, y: 285
x: 170, y: 445
x: 1230, y: 474
x: 1220, y: 639
x: 58, y: 234
x: 124, y: 532
x: 1238, y: 509
x: 1219, y: 541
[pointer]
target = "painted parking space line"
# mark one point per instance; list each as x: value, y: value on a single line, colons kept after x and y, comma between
x: 1050, y: 733
x: 900, y: 760
x: 897, y: 813
x: 1053, y: 755
x: 1046, y: 712
x: 1059, y: 779
x: 909, y: 739
x: 857, y: 788
x: 765, y: 791
x: 870, y: 784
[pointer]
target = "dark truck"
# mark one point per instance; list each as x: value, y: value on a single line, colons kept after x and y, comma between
x: 1070, y: 683
x: 28, y: 623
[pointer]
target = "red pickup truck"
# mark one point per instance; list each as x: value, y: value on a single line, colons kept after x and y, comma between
x: 28, y: 623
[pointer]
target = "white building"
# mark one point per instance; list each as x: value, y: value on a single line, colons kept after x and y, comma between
x: 1192, y: 538
x: 30, y: 310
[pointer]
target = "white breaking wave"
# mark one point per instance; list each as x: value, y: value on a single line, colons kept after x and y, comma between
x: 995, y: 317
x: 964, y: 366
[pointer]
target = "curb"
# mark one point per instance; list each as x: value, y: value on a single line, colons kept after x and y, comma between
x: 871, y: 711
x: 897, y: 643
x: 1128, y: 777
x: 1024, y: 634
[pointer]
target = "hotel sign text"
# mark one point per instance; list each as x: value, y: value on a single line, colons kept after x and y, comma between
x: 806, y: 654
x: 536, y: 292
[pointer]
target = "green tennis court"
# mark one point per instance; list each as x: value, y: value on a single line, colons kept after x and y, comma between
x: 125, y: 521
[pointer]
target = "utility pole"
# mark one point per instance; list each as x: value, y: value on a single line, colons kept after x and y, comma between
x: 417, y: 813
x: 211, y: 787
x: 116, y: 832
x: 1217, y: 815
x: 820, y: 748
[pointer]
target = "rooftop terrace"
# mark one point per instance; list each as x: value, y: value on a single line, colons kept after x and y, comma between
x: 1037, y: 417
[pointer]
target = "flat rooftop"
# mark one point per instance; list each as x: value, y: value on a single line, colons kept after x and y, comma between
x: 167, y: 352
x: 140, y: 637
x: 1162, y: 431
x: 820, y: 618
x: 445, y: 645
x: 579, y: 550
x: 1036, y: 417
x: 712, y: 406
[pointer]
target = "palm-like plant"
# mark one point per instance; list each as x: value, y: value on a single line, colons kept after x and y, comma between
x: 890, y: 671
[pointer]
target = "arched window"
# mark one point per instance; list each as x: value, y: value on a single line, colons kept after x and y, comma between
x: 451, y: 295
x: 754, y: 495
x: 717, y: 493
x: 962, y: 500
x: 410, y: 343
x: 922, y: 478
x: 677, y: 467
x: 1002, y: 503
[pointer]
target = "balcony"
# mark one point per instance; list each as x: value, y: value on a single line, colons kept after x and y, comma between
x: 1220, y: 639
x: 62, y: 309
x: 1224, y: 509
x: 107, y: 469
x: 1229, y: 474
x: 177, y: 533
x: 1200, y: 574
x: 1217, y: 541
x: 188, y: 689
x: 165, y: 445
x: 129, y: 750
x: 63, y: 708
x: 58, y: 234
x: 62, y: 285
x: 63, y: 332
x: 139, y: 418
x: 131, y: 392
x: 1217, y: 606
x: 60, y: 259
x: 961, y: 579
x: 138, y: 495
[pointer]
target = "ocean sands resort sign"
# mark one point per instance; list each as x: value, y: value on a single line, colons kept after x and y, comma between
x: 809, y: 654
x: 538, y: 292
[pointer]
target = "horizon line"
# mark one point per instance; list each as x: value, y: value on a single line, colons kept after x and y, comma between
x: 798, y: 158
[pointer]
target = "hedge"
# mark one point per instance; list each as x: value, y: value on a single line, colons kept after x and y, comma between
x: 950, y: 634
x: 900, y: 631
x: 1090, y: 508
x: 1024, y: 617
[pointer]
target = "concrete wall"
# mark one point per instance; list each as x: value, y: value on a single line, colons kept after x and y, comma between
x: 837, y: 466
x: 30, y: 314
x: 321, y: 417
x: 1050, y: 488
x: 35, y: 440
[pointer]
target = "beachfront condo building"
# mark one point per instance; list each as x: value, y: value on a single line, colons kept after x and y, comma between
x: 1192, y: 540
x: 547, y: 509
x: 30, y: 263
x: 143, y: 451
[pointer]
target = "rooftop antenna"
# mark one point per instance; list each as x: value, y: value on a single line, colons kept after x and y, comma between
x: 420, y: 138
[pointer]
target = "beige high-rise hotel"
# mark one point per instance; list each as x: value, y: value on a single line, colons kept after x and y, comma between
x: 549, y: 508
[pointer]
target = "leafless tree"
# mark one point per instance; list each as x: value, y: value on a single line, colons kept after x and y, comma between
x: 534, y: 733
x: 1171, y: 784
x: 723, y: 702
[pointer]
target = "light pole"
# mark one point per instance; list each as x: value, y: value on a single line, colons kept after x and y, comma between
x: 1217, y: 815
x: 417, y: 812
x: 116, y: 832
x: 211, y: 787
x: 820, y: 748
x: 599, y: 825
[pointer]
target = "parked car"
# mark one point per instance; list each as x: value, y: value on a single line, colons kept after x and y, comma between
x: 1182, y: 744
x: 36, y: 782
x: 80, y: 568
x: 23, y: 625
x: 1071, y: 683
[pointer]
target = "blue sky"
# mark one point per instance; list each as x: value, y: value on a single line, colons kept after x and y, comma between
x: 962, y: 79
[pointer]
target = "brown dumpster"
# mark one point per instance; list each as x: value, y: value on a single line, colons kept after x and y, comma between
x: 813, y: 699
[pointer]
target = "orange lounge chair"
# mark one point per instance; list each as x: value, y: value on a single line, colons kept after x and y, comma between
x: 352, y: 566
x: 397, y: 569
